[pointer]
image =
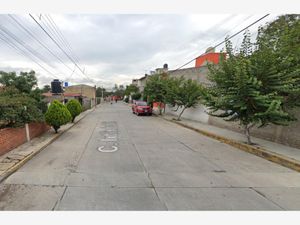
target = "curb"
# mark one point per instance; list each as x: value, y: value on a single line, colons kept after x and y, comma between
x: 19, y: 164
x: 258, y: 151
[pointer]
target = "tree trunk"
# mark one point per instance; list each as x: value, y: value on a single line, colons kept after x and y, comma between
x: 160, y: 109
x: 56, y: 128
x: 178, y: 118
x: 247, y: 133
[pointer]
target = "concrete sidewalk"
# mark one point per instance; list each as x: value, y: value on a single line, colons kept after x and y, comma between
x: 275, y: 152
x: 17, y: 157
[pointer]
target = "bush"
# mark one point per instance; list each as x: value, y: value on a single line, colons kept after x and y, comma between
x: 145, y: 98
x: 126, y: 100
x: 57, y: 115
x: 17, y: 108
x: 74, y: 108
x: 136, y: 96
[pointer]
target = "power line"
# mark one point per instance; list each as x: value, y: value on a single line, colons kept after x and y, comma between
x: 222, y: 22
x: 35, y: 38
x: 23, y: 53
x: 70, y: 58
x: 28, y: 48
x: 221, y: 37
x: 244, y: 20
x: 50, y: 29
x: 66, y: 43
x: 55, y: 42
x: 224, y: 41
x: 64, y: 40
x: 6, y: 33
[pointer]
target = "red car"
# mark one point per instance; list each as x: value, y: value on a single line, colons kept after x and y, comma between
x: 141, y: 107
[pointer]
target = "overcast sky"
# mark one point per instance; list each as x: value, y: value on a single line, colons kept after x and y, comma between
x: 114, y: 48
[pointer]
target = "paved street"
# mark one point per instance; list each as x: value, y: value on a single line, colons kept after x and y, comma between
x: 115, y: 160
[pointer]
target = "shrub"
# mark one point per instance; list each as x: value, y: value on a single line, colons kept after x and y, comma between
x: 74, y: 108
x: 17, y: 108
x: 126, y: 100
x: 57, y: 115
x: 136, y: 96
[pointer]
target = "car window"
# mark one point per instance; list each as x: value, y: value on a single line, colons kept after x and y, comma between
x: 141, y: 103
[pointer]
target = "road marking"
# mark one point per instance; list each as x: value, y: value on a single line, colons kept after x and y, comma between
x: 108, y: 137
x: 101, y: 149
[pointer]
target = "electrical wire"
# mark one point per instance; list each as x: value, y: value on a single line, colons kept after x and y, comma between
x: 6, y: 33
x: 35, y: 38
x: 222, y: 42
x: 55, y: 42
x: 23, y: 53
x: 64, y: 40
x: 68, y: 56
x: 66, y: 43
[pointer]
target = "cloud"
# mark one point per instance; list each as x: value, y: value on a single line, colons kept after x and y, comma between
x: 114, y: 48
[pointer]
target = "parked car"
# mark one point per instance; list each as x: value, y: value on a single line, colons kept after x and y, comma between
x: 141, y: 107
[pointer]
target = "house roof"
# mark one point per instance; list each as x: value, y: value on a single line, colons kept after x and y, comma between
x: 79, y: 85
x: 72, y: 94
x: 49, y: 94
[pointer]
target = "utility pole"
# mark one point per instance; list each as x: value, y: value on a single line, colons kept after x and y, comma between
x: 95, y: 96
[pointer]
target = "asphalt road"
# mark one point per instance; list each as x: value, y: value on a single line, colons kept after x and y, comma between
x: 115, y: 160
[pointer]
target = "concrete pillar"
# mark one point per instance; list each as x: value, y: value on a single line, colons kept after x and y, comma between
x: 27, y: 127
x: 27, y: 132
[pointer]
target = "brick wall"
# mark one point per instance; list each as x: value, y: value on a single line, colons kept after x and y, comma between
x: 11, y: 138
x: 36, y: 129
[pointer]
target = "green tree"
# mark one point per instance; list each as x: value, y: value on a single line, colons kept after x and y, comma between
x: 74, y: 108
x: 183, y: 93
x: 57, y: 115
x: 36, y: 94
x: 173, y: 91
x: 46, y: 88
x: 105, y: 92
x: 276, y: 61
x: 130, y: 89
x: 25, y: 82
x: 236, y: 92
x: 99, y: 91
x: 136, y: 96
x: 119, y: 93
x: 156, y: 89
x: 17, y: 108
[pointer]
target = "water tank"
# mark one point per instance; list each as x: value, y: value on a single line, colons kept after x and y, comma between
x: 165, y: 66
x: 210, y: 50
x: 56, y: 86
x: 66, y: 84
